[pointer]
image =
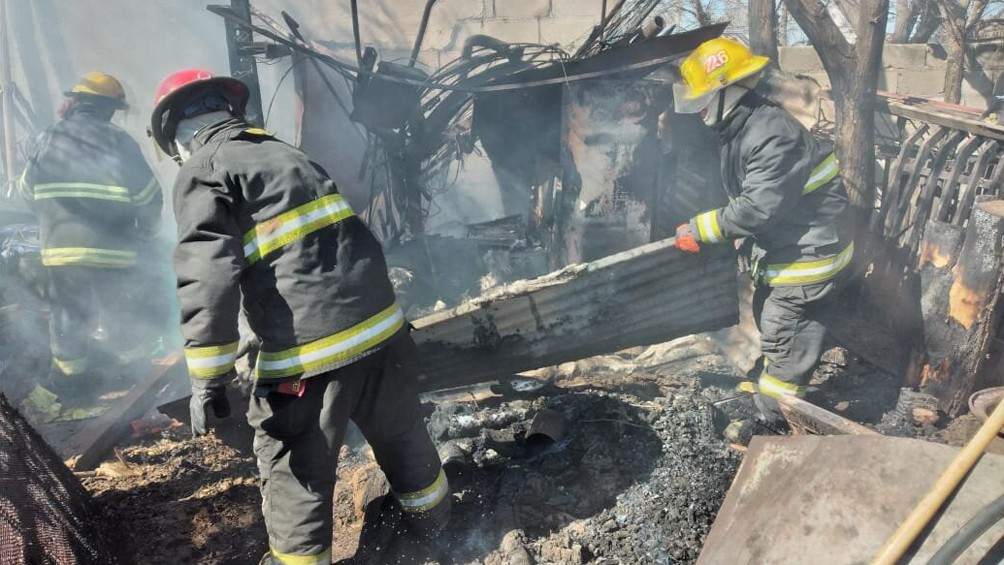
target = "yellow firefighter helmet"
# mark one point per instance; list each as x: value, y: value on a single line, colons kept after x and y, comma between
x: 100, y: 84
x: 715, y: 64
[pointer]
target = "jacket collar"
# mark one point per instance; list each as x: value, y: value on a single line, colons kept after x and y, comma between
x: 226, y: 129
x: 734, y: 122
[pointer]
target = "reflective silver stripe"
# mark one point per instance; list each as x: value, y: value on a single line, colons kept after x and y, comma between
x: 708, y: 228
x: 273, y: 234
x: 211, y: 361
x: 823, y: 173
x: 335, y: 348
x: 776, y: 388
x: 426, y: 498
x: 809, y: 271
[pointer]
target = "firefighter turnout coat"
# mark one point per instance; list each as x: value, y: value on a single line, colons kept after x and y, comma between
x: 784, y: 191
x: 95, y: 197
x: 257, y: 218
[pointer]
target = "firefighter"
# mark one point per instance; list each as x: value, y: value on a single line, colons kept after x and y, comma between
x: 786, y: 198
x: 258, y: 221
x: 98, y: 206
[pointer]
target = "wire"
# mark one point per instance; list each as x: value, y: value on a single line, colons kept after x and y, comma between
x: 277, y: 87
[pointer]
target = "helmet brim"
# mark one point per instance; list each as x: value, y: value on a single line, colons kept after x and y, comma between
x: 163, y: 133
x: 684, y: 101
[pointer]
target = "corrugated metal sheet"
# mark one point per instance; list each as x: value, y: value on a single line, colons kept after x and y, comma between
x: 647, y: 295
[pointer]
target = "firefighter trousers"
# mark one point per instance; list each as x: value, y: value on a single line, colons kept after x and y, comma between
x: 792, y: 324
x: 298, y: 437
x: 83, y: 298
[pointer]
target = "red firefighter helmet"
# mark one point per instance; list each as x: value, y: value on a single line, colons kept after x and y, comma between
x: 179, y: 89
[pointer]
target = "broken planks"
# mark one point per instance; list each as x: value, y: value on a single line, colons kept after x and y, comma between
x: 807, y: 418
x: 96, y: 440
x: 647, y: 295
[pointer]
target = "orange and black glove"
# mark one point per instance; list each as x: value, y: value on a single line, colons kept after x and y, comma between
x: 686, y: 239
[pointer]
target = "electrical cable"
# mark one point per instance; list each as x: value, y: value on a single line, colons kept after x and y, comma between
x: 967, y: 535
x: 276, y: 91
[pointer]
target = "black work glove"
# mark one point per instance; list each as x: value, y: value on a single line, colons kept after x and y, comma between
x: 208, y: 393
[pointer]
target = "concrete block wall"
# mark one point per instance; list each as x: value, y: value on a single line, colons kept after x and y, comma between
x: 917, y: 70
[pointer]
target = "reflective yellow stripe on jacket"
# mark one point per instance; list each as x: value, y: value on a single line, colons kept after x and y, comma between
x: 83, y: 190
x: 146, y: 195
x: 708, y: 230
x: 333, y: 349
x: 822, y: 174
x: 804, y: 272
x: 427, y: 498
x: 211, y: 361
x: 88, y: 256
x: 290, y: 226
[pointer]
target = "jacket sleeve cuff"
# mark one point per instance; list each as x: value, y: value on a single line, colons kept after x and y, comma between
x: 208, y: 363
x: 707, y: 228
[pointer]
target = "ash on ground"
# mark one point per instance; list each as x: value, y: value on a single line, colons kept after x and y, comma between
x: 636, y: 475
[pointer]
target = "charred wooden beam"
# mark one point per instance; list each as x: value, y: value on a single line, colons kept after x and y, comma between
x: 94, y: 441
x: 647, y: 295
x: 807, y: 418
x: 960, y: 310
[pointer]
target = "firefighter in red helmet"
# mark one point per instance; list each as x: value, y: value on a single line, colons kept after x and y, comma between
x: 258, y: 221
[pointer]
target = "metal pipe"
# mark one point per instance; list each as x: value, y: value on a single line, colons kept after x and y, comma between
x: 421, y: 32
x: 6, y: 101
x: 355, y: 31
x: 969, y: 533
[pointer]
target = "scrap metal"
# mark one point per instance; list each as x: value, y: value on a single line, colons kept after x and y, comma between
x: 648, y: 295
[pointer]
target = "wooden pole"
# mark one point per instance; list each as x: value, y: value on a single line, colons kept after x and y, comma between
x: 960, y: 303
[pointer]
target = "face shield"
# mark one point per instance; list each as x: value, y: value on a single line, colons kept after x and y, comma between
x: 693, y: 106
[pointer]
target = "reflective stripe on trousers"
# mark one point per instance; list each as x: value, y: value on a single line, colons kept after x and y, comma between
x: 427, y: 498
x: 323, y: 558
x: 776, y: 388
x: 331, y: 350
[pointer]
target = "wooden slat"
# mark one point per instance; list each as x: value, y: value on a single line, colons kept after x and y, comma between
x: 93, y: 442
x: 942, y: 118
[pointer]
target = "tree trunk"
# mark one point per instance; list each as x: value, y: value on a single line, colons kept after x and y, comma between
x: 954, y: 41
x: 853, y: 72
x: 763, y: 29
x: 905, y: 19
x: 960, y: 309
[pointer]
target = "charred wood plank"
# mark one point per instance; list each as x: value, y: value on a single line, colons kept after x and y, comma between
x: 95, y: 441
x: 883, y: 221
x: 974, y: 181
x: 960, y: 304
x: 805, y: 417
x: 951, y: 197
x: 647, y: 295
x: 933, y: 188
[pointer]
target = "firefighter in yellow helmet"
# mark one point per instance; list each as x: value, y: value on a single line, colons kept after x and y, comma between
x: 786, y: 198
x: 97, y: 202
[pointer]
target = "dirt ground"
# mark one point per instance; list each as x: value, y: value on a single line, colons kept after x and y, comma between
x: 637, y: 477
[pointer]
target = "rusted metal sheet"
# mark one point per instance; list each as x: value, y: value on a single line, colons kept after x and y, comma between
x: 836, y: 499
x: 647, y: 295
